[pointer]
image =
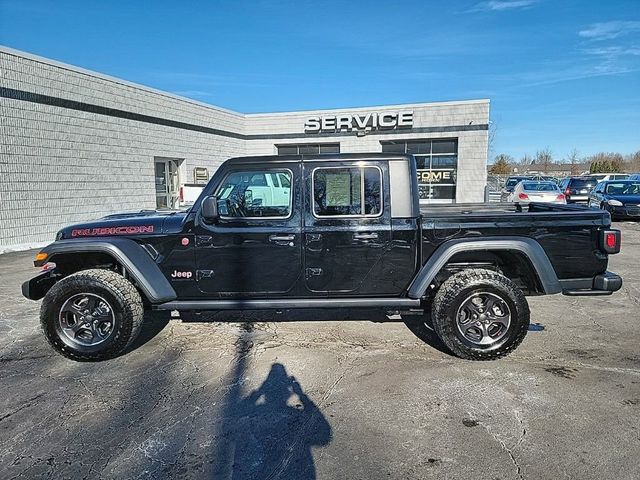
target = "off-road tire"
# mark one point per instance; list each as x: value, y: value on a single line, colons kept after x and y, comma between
x: 122, y: 296
x: 453, y: 293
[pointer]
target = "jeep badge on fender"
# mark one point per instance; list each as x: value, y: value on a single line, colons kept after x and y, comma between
x: 323, y: 231
x: 177, y: 274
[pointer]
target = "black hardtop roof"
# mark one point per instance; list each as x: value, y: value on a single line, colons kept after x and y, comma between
x: 319, y: 156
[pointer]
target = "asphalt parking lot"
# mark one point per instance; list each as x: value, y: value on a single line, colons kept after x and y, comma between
x: 327, y: 400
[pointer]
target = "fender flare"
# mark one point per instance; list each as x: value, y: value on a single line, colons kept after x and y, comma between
x: 135, y: 259
x: 531, y: 249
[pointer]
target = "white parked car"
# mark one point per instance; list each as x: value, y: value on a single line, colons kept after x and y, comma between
x: 189, y: 193
x: 602, y: 177
x: 532, y: 191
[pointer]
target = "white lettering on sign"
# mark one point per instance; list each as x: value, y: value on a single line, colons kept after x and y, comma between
x: 359, y: 122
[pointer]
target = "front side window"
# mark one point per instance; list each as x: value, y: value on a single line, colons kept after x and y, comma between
x: 350, y: 191
x: 255, y: 194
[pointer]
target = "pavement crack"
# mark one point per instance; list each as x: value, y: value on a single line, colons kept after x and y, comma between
x: 510, y: 450
x: 26, y: 404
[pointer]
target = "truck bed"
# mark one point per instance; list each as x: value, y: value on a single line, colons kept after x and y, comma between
x: 568, y: 233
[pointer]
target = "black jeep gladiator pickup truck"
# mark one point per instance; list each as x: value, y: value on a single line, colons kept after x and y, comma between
x: 322, y: 231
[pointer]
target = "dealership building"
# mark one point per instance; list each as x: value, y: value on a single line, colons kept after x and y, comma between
x: 76, y: 144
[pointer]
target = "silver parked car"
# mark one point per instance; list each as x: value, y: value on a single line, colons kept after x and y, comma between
x: 532, y: 191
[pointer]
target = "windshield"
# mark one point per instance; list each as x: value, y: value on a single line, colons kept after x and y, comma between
x: 623, y: 188
x: 540, y: 186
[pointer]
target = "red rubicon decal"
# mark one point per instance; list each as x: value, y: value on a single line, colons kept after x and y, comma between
x: 95, y: 232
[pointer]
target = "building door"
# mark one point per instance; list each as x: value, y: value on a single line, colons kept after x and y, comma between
x: 167, y: 178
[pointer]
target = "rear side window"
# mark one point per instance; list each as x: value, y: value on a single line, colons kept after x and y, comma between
x: 351, y: 191
x: 583, y: 183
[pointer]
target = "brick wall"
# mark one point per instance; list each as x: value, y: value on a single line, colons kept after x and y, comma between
x: 60, y: 165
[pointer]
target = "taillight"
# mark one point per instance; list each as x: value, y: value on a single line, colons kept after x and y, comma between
x: 561, y: 198
x: 567, y: 191
x: 610, y: 241
x: 523, y: 196
x: 181, y: 194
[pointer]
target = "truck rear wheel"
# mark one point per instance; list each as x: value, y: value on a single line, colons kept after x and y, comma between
x: 480, y: 314
x: 91, y: 315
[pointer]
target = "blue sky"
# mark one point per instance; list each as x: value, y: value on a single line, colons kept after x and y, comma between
x: 560, y: 74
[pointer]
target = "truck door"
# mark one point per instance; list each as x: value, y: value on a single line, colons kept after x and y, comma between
x: 255, y: 248
x: 347, y: 226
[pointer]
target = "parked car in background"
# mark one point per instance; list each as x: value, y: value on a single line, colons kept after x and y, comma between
x: 601, y: 177
x: 510, y: 184
x: 544, y: 178
x: 531, y: 191
x: 189, y: 193
x: 576, y: 189
x: 634, y: 176
x: 621, y: 198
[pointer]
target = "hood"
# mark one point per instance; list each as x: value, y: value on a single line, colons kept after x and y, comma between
x: 129, y: 224
x: 632, y: 199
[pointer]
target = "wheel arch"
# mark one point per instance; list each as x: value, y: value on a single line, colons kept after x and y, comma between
x: 75, y: 255
x: 520, y: 254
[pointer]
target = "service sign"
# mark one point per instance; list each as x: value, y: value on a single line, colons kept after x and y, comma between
x: 362, y: 122
x: 437, y: 177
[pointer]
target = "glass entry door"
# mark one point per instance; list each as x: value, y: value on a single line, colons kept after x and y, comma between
x: 167, y: 183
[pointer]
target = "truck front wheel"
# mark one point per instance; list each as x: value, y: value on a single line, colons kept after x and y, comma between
x: 91, y: 315
x: 480, y: 314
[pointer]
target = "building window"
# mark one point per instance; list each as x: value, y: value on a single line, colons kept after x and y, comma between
x: 308, y: 149
x: 255, y: 194
x: 437, y: 164
x: 352, y: 191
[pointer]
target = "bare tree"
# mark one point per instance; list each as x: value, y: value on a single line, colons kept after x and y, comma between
x: 573, y: 158
x: 632, y: 162
x: 544, y: 159
x: 493, y: 129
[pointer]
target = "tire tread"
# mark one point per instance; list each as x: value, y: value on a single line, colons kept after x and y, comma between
x: 447, y: 293
x: 120, y: 287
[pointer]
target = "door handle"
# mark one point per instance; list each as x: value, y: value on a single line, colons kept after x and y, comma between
x: 365, y: 236
x: 282, y: 238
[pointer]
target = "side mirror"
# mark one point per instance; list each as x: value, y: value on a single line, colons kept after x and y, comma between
x: 210, y: 209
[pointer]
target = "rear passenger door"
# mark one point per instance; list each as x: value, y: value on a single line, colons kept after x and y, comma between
x: 347, y: 225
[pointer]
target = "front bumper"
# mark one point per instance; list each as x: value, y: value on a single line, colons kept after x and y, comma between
x: 604, y: 284
x: 38, y: 286
x: 632, y: 211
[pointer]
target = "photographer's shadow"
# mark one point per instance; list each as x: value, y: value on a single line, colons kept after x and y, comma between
x: 276, y: 426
